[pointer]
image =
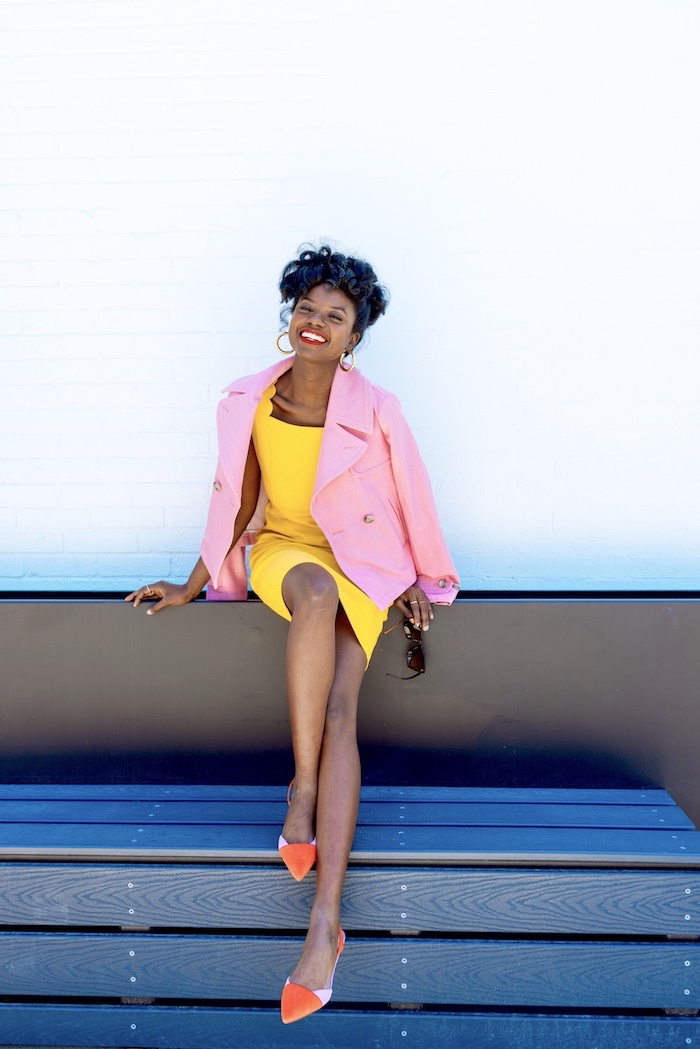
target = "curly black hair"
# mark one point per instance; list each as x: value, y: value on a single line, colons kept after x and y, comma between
x: 354, y: 277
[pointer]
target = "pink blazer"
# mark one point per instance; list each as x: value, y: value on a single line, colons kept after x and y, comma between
x: 372, y: 498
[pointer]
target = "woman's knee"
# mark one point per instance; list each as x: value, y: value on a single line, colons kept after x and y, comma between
x: 310, y: 587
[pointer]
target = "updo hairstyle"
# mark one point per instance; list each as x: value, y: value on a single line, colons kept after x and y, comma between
x: 354, y: 277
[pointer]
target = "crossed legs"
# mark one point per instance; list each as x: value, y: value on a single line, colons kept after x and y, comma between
x: 325, y: 667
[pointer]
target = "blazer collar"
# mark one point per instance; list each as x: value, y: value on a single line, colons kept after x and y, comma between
x: 350, y: 403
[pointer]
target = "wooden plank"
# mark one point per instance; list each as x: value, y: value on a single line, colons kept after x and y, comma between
x: 528, y: 844
x: 475, y: 972
x: 213, y: 792
x: 660, y: 903
x: 454, y: 814
x: 156, y: 1027
x: 372, y: 844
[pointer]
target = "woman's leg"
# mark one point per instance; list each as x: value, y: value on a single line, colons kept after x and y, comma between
x: 336, y: 810
x: 311, y: 595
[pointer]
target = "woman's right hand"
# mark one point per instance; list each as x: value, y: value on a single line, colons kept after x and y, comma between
x: 166, y: 594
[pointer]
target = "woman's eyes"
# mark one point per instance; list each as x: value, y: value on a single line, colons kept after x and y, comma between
x: 309, y: 309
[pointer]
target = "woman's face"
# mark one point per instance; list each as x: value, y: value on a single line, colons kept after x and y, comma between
x: 320, y: 327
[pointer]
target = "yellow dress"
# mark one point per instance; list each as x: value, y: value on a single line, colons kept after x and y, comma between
x: 288, y: 458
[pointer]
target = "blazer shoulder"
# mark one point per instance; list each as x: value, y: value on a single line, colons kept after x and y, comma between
x: 387, y: 407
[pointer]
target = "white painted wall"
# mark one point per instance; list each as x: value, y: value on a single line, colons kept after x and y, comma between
x: 524, y: 177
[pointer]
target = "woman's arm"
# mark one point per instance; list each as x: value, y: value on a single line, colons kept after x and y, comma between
x: 436, y: 575
x: 170, y: 594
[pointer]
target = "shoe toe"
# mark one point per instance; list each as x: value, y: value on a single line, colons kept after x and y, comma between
x: 299, y: 859
x: 298, y: 1002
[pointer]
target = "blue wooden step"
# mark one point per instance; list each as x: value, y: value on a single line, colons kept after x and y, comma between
x: 372, y: 813
x: 395, y: 825
x: 448, y: 899
x: 464, y: 845
x: 245, y: 792
x: 458, y: 971
x: 157, y: 1027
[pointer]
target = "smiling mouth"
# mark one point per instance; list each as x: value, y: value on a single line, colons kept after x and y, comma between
x: 313, y: 336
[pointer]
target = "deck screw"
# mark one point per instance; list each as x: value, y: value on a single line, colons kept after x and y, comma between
x: 405, y: 985
x: 403, y: 914
x: 687, y: 892
x: 687, y: 963
x: 132, y: 954
x: 403, y: 888
x: 131, y: 910
x: 686, y: 991
x: 133, y: 1027
x: 404, y: 960
x: 687, y: 917
x: 133, y: 980
x: 130, y: 885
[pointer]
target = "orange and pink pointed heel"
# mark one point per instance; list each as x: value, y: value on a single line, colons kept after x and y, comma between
x: 299, y: 1002
x: 298, y: 859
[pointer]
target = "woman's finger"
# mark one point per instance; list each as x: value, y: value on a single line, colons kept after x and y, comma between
x: 143, y: 593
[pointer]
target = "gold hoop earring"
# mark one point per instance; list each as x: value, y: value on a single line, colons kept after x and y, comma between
x: 343, y: 357
x: 277, y: 344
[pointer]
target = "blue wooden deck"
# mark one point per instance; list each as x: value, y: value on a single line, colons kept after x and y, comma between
x: 162, y: 917
x: 404, y: 825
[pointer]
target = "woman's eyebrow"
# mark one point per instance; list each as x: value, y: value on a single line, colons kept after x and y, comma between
x: 305, y: 298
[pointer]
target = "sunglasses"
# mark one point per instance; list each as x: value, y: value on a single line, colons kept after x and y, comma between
x: 415, y: 656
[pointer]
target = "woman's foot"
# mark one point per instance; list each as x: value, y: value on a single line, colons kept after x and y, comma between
x: 318, y: 956
x: 299, y: 855
x: 298, y: 827
x: 299, y: 1000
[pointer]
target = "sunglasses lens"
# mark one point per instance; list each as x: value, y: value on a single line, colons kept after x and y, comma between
x: 415, y: 658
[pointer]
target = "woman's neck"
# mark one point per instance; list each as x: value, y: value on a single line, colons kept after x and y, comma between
x: 302, y: 393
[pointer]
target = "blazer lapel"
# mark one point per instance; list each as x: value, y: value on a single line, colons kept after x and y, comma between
x: 235, y: 415
x: 349, y: 416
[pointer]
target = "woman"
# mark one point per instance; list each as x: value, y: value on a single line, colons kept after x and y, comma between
x: 326, y: 463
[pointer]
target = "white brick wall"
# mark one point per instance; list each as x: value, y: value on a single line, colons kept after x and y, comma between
x: 523, y: 176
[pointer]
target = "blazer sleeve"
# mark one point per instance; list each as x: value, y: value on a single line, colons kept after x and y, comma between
x: 435, y: 571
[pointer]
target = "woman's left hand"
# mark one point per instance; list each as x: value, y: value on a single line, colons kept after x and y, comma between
x: 414, y: 605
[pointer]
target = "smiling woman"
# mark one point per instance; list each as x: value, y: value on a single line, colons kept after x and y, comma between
x: 319, y: 471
